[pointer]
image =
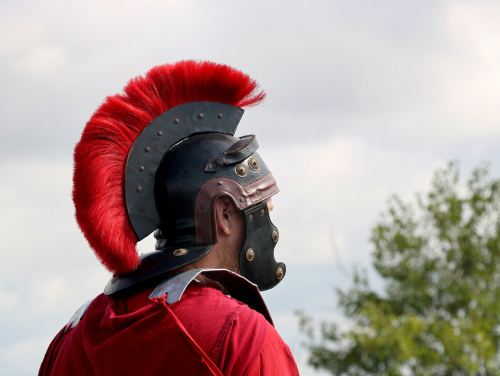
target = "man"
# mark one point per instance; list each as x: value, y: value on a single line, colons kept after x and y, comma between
x: 162, y: 156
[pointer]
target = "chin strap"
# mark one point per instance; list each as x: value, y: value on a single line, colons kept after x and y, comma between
x: 158, y: 303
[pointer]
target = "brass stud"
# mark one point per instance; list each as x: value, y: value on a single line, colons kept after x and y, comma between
x: 262, y: 212
x: 160, y: 133
x: 254, y: 165
x: 139, y: 189
x: 242, y: 199
x: 143, y: 208
x: 258, y: 192
x: 220, y: 116
x: 220, y: 183
x: 250, y: 254
x: 280, y: 274
x: 200, y: 116
x: 141, y: 168
x: 180, y: 252
x: 240, y: 170
x: 147, y: 148
x: 250, y: 217
x: 176, y: 121
x: 275, y: 236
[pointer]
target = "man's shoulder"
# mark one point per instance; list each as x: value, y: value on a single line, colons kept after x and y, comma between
x: 211, y: 302
x: 207, y: 310
x: 237, y: 333
x: 225, y: 327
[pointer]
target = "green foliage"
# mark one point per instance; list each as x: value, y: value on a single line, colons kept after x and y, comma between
x: 439, y: 313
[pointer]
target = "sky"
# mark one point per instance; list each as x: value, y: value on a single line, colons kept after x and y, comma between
x: 365, y: 99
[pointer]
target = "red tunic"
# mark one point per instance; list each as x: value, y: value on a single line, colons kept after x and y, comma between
x: 134, y: 337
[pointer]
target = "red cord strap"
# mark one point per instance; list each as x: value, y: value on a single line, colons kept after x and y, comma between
x: 205, y: 358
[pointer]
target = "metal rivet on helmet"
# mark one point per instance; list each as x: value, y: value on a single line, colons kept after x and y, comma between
x: 200, y: 116
x: 143, y: 208
x: 139, y: 189
x: 275, y: 236
x: 250, y: 254
x: 147, y: 148
x: 220, y: 183
x: 176, y: 121
x: 180, y: 252
x: 141, y: 168
x: 160, y: 133
x: 254, y: 165
x: 241, y: 170
x: 279, y: 273
x: 220, y: 116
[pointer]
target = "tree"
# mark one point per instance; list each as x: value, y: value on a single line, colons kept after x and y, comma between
x: 439, y: 311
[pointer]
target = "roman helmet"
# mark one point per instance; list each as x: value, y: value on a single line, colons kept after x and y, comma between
x: 156, y: 157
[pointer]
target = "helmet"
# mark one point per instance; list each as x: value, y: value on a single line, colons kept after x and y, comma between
x: 157, y: 157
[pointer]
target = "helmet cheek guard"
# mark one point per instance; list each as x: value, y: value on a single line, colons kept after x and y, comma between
x: 257, y: 262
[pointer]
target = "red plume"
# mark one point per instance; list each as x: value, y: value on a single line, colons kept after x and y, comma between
x: 101, y: 153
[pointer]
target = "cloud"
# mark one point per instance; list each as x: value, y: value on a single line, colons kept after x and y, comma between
x: 9, y: 300
x: 473, y: 90
x: 23, y: 357
x: 340, y: 185
x: 41, y: 61
x: 49, y: 293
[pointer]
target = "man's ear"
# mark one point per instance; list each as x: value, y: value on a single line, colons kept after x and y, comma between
x: 223, y: 213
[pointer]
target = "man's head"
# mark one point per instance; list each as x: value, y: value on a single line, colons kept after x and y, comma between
x: 161, y: 155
